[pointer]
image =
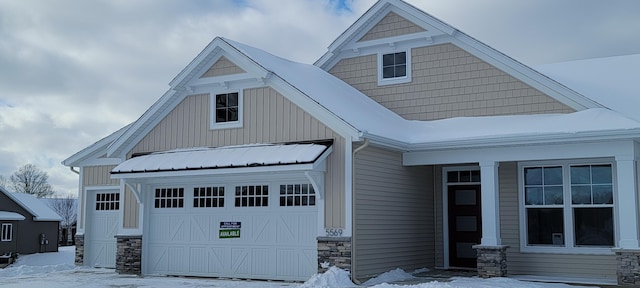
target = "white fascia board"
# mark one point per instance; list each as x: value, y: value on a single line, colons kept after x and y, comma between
x: 221, y: 171
x: 523, y: 73
x: 100, y: 162
x: 395, y: 145
x: 602, y: 149
x: 199, y: 60
x: 314, y: 108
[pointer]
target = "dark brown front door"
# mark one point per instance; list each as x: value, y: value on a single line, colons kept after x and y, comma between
x: 464, y: 224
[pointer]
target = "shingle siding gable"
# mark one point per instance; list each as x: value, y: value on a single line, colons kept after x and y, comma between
x: 447, y: 82
x: 391, y: 25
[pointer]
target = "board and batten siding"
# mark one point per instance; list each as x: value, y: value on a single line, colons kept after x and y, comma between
x: 541, y: 264
x: 269, y: 117
x: 95, y: 176
x: 447, y: 82
x: 393, y: 214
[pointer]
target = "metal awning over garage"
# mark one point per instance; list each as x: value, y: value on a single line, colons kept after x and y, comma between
x: 228, y: 159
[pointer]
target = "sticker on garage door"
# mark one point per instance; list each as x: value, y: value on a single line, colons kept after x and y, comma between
x: 229, y: 230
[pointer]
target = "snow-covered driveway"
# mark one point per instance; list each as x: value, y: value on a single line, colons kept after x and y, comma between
x: 56, y: 270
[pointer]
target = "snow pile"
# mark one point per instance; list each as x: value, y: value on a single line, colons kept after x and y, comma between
x: 41, y: 263
x: 334, y: 277
x: 390, y: 276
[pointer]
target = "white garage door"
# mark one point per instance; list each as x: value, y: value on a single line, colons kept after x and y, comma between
x: 239, y: 231
x: 101, y: 227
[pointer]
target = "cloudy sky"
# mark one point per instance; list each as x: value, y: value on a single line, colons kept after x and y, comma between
x: 72, y: 72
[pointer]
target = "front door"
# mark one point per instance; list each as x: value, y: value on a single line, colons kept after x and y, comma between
x: 465, y: 225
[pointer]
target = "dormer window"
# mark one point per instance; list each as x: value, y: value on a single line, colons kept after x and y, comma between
x: 226, y: 110
x: 394, y: 68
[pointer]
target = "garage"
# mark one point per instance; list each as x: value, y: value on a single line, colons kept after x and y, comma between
x: 256, y: 231
x: 103, y: 208
x: 249, y: 211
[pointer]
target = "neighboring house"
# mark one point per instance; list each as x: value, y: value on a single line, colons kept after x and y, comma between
x: 28, y: 225
x: 408, y: 144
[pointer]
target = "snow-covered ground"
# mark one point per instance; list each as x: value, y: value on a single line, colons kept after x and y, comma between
x: 57, y: 270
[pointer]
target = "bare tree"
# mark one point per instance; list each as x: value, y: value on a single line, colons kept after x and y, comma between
x: 4, y: 182
x: 66, y: 208
x: 31, y: 180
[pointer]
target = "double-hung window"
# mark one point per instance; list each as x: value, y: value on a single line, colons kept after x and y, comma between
x: 568, y: 207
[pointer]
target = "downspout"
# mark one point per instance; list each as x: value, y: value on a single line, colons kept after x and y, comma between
x: 353, y: 209
x: 74, y: 171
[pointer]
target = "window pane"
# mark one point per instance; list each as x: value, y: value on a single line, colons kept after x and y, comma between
x: 601, y: 174
x: 581, y: 175
x: 387, y: 60
x: 553, y: 195
x: 581, y: 194
x: 400, y: 58
x: 545, y: 226
x: 593, y: 226
x: 465, y: 176
x: 533, y: 176
x: 553, y: 176
x: 533, y: 196
x: 602, y: 194
x: 452, y: 176
x: 221, y: 101
x: 232, y: 100
x: 388, y: 72
x: 221, y: 115
x: 401, y: 71
x: 475, y: 176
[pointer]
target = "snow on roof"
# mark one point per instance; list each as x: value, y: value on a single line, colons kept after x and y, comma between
x: 340, y: 98
x: 513, y: 126
x: 610, y: 81
x: 224, y: 157
x: 10, y: 216
x: 39, y: 210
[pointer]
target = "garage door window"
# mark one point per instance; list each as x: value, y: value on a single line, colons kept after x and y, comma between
x: 297, y: 195
x: 107, y: 201
x: 169, y: 198
x: 208, y: 197
x: 252, y: 196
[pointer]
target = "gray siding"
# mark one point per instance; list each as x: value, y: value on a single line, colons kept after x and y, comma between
x: 447, y: 82
x: 26, y: 233
x: 268, y: 118
x: 394, y: 214
x: 390, y: 26
x: 543, y: 264
x: 222, y: 67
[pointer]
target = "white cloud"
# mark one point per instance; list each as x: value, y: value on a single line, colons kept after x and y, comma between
x: 74, y: 71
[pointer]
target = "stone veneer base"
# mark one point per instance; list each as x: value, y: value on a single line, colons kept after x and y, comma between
x: 79, y: 260
x: 334, y: 251
x: 492, y: 260
x: 129, y: 255
x: 628, y: 270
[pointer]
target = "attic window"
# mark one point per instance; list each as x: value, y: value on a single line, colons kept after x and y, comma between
x: 394, y: 68
x: 226, y: 110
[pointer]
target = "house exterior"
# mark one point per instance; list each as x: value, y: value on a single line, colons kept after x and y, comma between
x: 408, y: 144
x: 28, y: 225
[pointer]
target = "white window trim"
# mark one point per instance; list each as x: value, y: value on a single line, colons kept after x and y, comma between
x: 569, y: 247
x: 395, y: 80
x: 10, y: 233
x: 212, y: 111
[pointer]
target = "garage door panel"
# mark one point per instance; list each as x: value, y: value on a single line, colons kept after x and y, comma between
x: 102, y: 226
x: 273, y: 243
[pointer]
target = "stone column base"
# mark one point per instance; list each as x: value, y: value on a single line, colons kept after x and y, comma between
x: 492, y: 260
x: 129, y: 255
x: 79, y: 260
x: 628, y: 269
x: 334, y: 251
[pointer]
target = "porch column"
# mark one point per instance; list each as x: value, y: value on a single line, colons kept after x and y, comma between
x: 627, y: 202
x: 490, y: 204
x: 492, y: 256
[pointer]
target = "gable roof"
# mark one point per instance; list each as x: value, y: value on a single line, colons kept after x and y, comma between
x: 97, y: 149
x: 437, y: 32
x: 39, y: 210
